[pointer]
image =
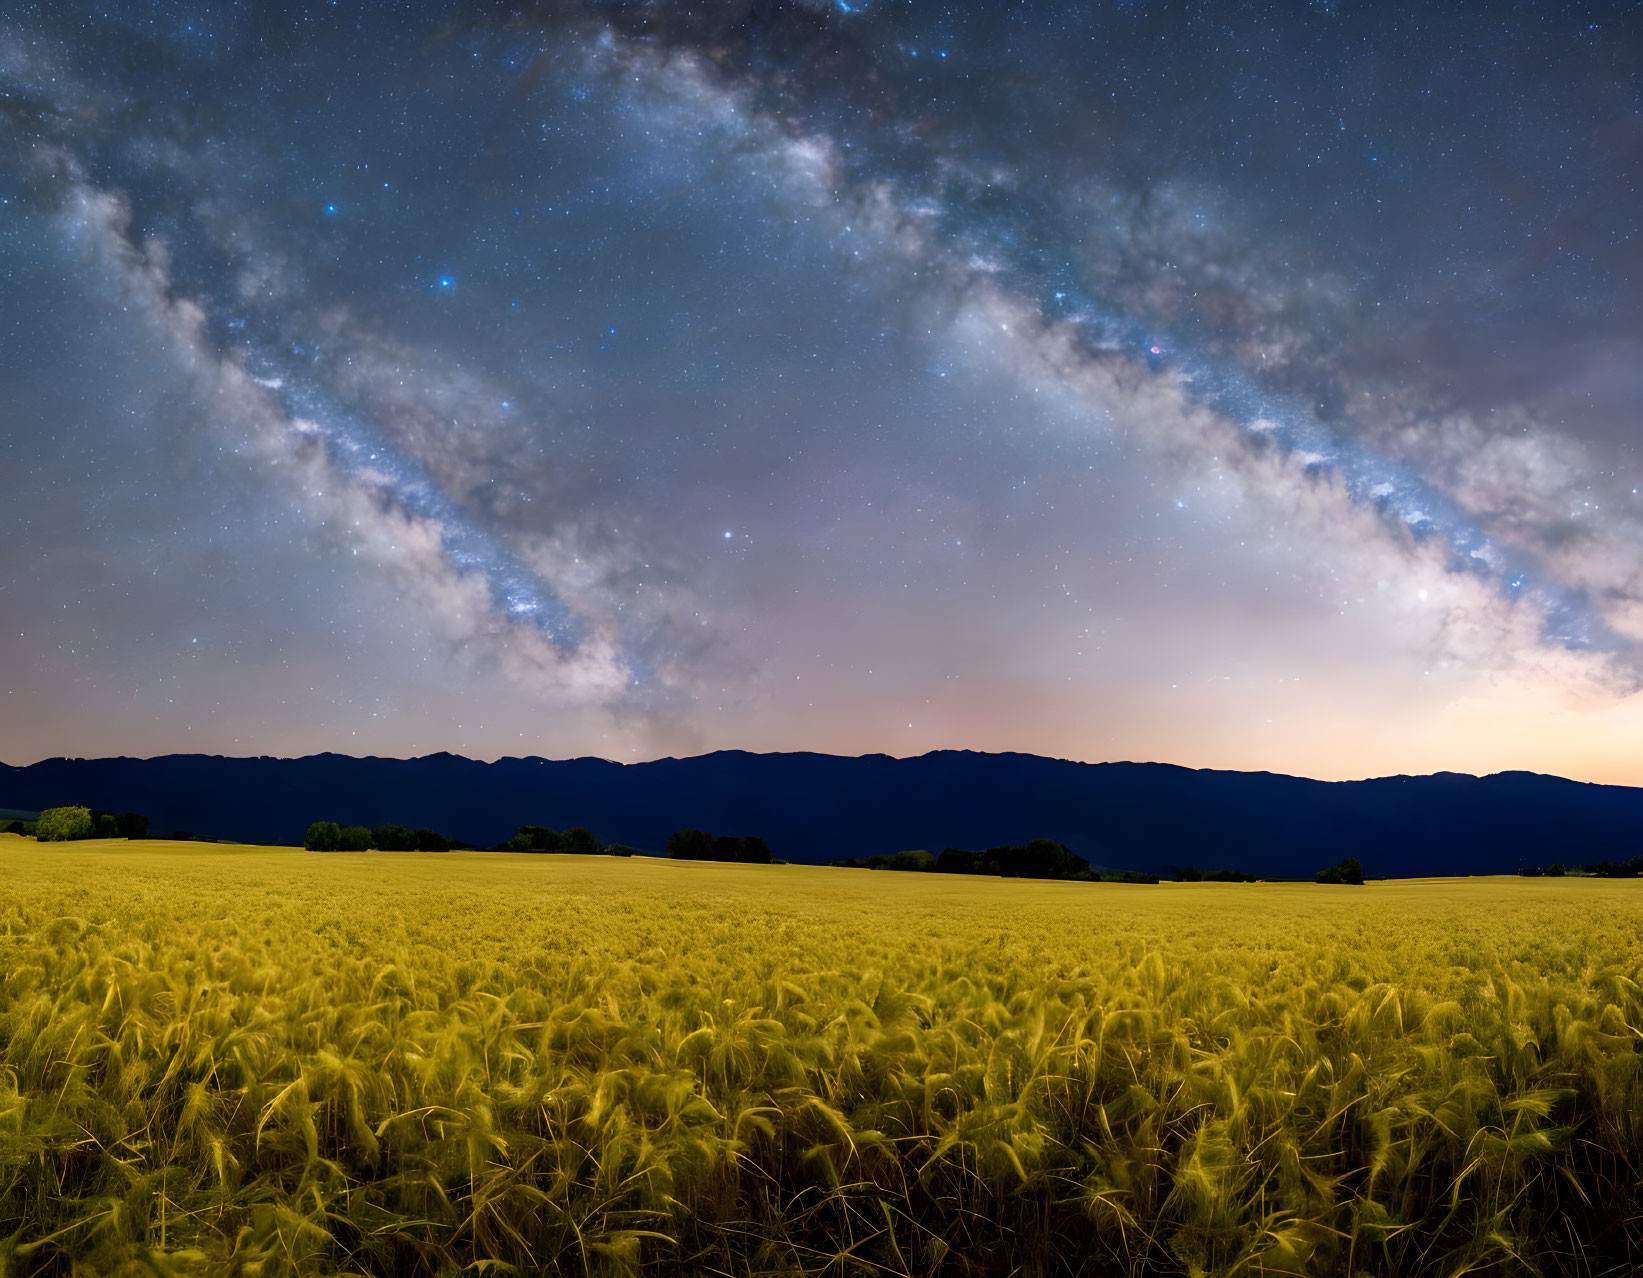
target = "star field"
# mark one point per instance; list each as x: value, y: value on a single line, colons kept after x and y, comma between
x: 1243, y: 386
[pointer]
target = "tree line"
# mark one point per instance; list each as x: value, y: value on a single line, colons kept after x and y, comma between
x: 1599, y: 870
x: 75, y: 821
x: 682, y: 845
x: 699, y: 845
x: 1051, y: 859
x: 329, y: 836
x: 64, y: 824
x: 1035, y: 859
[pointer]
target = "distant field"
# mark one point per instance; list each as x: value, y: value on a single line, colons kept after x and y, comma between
x: 265, y: 1061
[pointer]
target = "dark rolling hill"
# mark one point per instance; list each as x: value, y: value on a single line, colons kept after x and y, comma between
x: 820, y: 808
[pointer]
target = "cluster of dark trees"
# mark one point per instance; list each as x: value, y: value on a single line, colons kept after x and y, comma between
x: 1348, y: 871
x: 1035, y: 859
x: 1192, y: 874
x: 1048, y: 859
x: 576, y: 840
x: 539, y: 838
x: 1617, y: 869
x: 127, y: 825
x: 917, y: 860
x: 328, y: 836
x: 683, y: 845
x: 61, y: 825
x: 1601, y: 870
x: 699, y: 845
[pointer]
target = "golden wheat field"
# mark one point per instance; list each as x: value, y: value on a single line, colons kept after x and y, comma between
x: 266, y: 1061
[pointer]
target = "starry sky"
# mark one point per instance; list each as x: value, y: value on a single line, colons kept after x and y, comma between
x: 1234, y: 385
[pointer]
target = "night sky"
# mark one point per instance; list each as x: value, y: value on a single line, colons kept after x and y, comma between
x: 1249, y: 386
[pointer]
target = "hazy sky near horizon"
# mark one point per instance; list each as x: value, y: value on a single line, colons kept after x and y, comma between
x: 1250, y: 386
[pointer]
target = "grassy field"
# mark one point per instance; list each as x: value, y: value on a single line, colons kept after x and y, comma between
x: 268, y: 1061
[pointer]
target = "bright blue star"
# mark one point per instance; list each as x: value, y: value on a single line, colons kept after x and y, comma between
x: 445, y: 281
x: 331, y: 208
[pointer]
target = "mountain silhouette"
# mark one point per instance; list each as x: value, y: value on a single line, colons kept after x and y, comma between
x: 819, y: 808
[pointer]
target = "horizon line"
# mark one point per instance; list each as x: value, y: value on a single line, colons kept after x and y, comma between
x: 870, y: 754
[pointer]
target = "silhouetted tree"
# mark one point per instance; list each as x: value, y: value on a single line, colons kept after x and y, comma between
x: 728, y: 847
x: 1348, y: 871
x: 578, y: 840
x: 958, y: 861
x: 1036, y: 859
x: 916, y: 860
x: 391, y: 838
x: 323, y: 836
x: 690, y: 845
x: 425, y: 840
x: 699, y: 845
x: 133, y: 825
x: 353, y: 838
x: 533, y: 838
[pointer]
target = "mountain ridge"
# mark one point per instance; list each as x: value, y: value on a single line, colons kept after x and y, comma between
x: 817, y: 807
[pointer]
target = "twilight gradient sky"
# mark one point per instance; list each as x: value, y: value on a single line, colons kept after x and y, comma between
x: 1239, y: 385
